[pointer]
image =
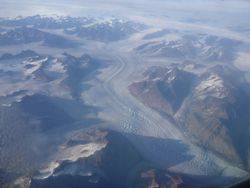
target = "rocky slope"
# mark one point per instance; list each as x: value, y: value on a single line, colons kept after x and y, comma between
x: 155, y: 177
x: 163, y: 89
x: 23, y: 53
x: 76, y: 69
x: 211, y: 108
x: 106, y: 167
x: 197, y: 46
x: 25, y: 35
x: 66, y: 71
x: 113, y: 30
x: 39, y: 74
x: 188, y: 65
x: 217, y: 115
x: 39, y: 21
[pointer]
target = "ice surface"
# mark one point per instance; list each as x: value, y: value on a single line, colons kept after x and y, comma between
x: 145, y: 128
x: 141, y: 125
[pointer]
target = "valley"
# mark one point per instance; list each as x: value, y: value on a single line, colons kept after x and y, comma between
x: 120, y: 103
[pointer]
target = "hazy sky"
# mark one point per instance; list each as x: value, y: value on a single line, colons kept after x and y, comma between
x: 79, y: 7
x: 215, y: 16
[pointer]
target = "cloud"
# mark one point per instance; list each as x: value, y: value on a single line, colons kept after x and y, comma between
x: 64, y: 6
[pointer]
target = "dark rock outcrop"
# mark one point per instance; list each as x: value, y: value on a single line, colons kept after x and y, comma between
x: 25, y: 35
x: 76, y: 69
x: 23, y: 53
x: 155, y: 177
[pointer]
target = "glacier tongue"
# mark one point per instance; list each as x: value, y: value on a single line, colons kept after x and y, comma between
x: 142, y: 125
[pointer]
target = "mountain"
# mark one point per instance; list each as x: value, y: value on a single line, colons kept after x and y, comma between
x: 214, y: 112
x: 217, y: 115
x: 188, y: 65
x: 108, y: 166
x: 109, y: 31
x: 42, y: 22
x: 7, y: 56
x: 189, y: 49
x: 69, y: 69
x: 26, y: 126
x: 159, y: 34
x: 25, y: 35
x: 216, y: 54
x: 195, y: 46
x: 159, y: 49
x: 62, y: 73
x: 23, y: 53
x: 143, y: 46
x: 111, y: 164
x: 163, y: 89
x: 8, y: 73
x: 76, y: 69
x: 171, y: 53
x: 155, y: 177
x: 39, y: 74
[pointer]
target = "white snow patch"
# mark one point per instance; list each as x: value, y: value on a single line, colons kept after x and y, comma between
x: 175, y: 46
x: 189, y: 67
x: 36, y: 63
x: 80, y: 169
x: 45, y: 173
x: 156, y: 79
x: 21, y: 181
x: 71, y: 154
x: 55, y: 69
x: 6, y: 104
x: 169, y: 71
x: 170, y: 79
x: 214, y: 85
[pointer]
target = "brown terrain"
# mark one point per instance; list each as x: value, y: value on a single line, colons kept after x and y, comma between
x: 192, y: 47
x: 158, y: 178
x: 76, y: 69
x: 114, y: 161
x: 163, y: 89
x: 217, y: 114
